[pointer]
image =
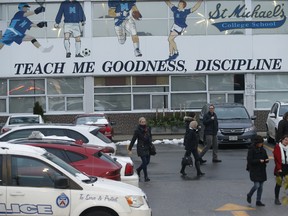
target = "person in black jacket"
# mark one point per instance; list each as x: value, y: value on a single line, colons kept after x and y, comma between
x: 144, y: 138
x: 256, y: 165
x: 210, y: 122
x: 282, y: 127
x: 191, y: 144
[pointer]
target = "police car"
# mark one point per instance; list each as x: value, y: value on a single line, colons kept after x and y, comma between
x: 35, y: 182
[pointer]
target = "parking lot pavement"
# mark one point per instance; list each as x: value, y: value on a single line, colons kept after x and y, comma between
x: 221, y: 192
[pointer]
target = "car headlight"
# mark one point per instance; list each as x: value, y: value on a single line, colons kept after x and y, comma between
x: 135, y: 201
x: 249, y: 129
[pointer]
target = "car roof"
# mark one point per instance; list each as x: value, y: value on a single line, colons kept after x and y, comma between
x: 53, y: 142
x: 24, y: 115
x: 282, y: 102
x: 21, y: 149
x: 226, y: 104
x: 64, y: 126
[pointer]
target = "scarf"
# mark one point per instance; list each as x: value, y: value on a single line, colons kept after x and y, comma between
x: 282, y: 149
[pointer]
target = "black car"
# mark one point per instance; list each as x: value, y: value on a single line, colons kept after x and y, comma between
x: 235, y: 124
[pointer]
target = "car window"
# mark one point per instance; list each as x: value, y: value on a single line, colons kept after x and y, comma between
x: 17, y: 134
x: 30, y: 172
x: 283, y: 110
x: 66, y: 155
x: 59, y: 153
x: 64, y: 132
x: 101, y: 136
x: 231, y: 113
x: 24, y: 120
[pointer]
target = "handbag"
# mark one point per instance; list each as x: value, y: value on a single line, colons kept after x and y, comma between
x: 187, y: 161
x: 152, y: 149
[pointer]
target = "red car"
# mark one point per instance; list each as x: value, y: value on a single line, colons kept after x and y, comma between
x: 96, y: 119
x: 88, y: 159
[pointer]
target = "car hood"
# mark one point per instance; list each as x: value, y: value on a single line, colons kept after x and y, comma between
x: 235, y: 123
x: 115, y: 187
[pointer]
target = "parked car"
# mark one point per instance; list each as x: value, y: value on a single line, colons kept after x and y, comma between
x: 96, y: 119
x: 235, y: 124
x: 274, y: 116
x: 80, y: 133
x: 16, y: 120
x: 36, y: 182
x: 89, y: 159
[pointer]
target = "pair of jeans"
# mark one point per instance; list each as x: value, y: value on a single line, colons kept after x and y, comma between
x: 145, y: 161
x: 259, y: 187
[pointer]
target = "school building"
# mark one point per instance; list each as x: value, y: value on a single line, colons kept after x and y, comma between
x: 230, y: 51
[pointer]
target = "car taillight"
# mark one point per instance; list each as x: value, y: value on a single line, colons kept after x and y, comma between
x: 129, y: 169
x: 115, y: 174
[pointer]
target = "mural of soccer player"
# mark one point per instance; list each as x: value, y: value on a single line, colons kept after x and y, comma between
x: 125, y: 12
x: 179, y: 26
x: 20, y: 24
x: 74, y: 20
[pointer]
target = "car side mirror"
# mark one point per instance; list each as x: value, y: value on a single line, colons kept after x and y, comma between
x: 253, y: 117
x: 61, y: 182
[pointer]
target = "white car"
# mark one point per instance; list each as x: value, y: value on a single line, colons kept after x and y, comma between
x: 274, y: 116
x: 60, y: 188
x: 16, y: 120
x: 79, y: 133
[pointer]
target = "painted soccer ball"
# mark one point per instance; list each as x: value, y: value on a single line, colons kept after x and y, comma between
x: 86, y: 52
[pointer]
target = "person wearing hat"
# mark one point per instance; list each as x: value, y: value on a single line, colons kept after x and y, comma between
x: 20, y: 24
x: 257, y: 159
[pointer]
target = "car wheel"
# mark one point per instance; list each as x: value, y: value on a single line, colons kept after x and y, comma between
x: 100, y: 213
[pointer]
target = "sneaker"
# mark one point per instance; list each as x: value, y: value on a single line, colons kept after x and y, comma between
x: 277, y: 202
x: 137, y: 52
x: 175, y: 55
x: 170, y: 58
x: 183, y: 173
x: 68, y: 55
x: 200, y: 174
x: 147, y: 179
x: 47, y: 49
x: 216, y: 161
x: 248, y: 198
x: 79, y: 55
x: 259, y: 203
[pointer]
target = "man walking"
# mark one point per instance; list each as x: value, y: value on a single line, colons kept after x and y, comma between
x: 210, y: 122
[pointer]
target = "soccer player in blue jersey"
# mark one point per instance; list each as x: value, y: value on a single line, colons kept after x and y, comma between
x: 179, y: 26
x: 20, y: 24
x: 74, y: 20
x: 124, y: 22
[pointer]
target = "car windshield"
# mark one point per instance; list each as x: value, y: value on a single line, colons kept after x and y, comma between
x: 231, y: 113
x: 101, y: 136
x: 24, y: 120
x: 283, y: 109
x: 66, y: 167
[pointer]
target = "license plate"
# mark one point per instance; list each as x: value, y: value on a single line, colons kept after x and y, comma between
x: 233, y: 138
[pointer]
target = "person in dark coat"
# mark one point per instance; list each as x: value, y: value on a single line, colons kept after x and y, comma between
x: 282, y: 127
x: 191, y: 145
x: 256, y: 165
x: 144, y: 138
x: 210, y: 122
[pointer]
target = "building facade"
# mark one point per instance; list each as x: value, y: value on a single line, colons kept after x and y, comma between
x: 229, y: 51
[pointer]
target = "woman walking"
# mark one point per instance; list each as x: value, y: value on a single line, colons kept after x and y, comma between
x: 144, y: 138
x: 257, y: 159
x: 281, y: 165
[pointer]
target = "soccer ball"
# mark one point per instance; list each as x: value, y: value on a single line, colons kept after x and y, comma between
x: 86, y: 52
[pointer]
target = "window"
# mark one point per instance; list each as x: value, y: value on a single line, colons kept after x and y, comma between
x: 270, y: 88
x: 30, y: 172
